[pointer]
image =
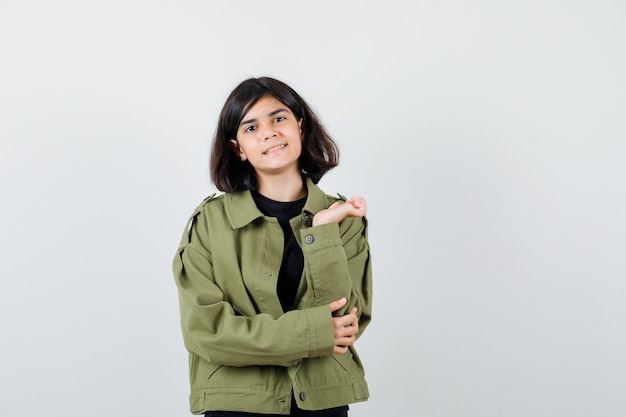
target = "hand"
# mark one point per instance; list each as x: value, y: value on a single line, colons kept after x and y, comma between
x: 345, y: 327
x: 355, y: 207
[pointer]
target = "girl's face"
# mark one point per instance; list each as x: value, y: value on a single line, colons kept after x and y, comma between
x: 270, y: 138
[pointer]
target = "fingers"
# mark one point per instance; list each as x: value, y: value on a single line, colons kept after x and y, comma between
x: 355, y: 207
x: 342, y: 343
x: 349, y: 319
x: 345, y: 329
x: 357, y: 202
x: 359, y: 206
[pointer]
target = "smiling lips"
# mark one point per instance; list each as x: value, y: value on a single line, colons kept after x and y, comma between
x: 273, y: 149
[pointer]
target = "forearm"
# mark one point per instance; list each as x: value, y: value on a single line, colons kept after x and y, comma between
x: 219, y: 336
x: 337, y: 264
x: 213, y: 330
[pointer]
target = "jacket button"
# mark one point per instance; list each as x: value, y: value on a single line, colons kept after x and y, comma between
x: 307, y: 222
x: 303, y: 395
x: 309, y: 239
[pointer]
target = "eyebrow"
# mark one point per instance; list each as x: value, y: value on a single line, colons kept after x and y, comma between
x: 270, y: 114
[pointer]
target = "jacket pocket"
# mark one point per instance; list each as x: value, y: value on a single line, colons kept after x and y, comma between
x: 201, y: 370
x: 343, y: 359
x: 209, y: 369
x: 327, y: 371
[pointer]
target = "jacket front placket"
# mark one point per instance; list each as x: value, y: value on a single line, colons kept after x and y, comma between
x: 262, y: 283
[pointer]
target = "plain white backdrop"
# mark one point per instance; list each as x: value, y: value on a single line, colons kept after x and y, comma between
x: 488, y: 137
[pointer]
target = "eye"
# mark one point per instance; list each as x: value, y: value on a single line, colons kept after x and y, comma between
x: 250, y: 129
x: 279, y: 119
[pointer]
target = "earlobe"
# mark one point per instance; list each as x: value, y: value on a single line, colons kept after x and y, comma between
x: 237, y: 149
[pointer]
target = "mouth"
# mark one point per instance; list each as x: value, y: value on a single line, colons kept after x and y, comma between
x: 274, y: 149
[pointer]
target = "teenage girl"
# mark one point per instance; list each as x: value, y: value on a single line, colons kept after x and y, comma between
x: 274, y: 276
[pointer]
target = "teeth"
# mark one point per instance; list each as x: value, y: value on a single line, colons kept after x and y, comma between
x: 273, y: 149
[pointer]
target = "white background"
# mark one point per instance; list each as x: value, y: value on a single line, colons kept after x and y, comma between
x: 488, y: 137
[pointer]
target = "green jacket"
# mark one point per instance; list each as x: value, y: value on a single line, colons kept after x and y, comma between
x: 245, y: 354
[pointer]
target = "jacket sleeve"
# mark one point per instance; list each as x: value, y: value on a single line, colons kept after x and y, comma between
x: 338, y: 264
x: 214, y: 331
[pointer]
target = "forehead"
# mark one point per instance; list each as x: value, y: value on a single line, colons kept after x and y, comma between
x: 263, y: 107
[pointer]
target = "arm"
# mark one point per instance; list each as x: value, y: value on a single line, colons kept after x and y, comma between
x: 216, y: 332
x: 338, y: 262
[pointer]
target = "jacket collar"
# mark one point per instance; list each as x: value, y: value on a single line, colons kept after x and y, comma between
x: 242, y: 210
x: 316, y: 199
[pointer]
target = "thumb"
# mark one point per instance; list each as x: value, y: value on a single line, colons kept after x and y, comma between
x: 336, y: 305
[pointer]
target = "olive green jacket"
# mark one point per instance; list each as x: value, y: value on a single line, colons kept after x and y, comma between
x: 245, y: 353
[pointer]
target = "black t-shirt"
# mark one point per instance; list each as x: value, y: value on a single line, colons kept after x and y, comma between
x: 293, y: 260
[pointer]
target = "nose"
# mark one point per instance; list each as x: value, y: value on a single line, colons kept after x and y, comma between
x: 268, y: 131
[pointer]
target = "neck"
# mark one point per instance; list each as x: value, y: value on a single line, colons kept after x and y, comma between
x: 282, y: 188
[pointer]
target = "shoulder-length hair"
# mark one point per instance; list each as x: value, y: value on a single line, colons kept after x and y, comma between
x: 229, y: 173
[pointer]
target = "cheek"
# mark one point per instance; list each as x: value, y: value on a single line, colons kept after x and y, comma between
x: 300, y: 146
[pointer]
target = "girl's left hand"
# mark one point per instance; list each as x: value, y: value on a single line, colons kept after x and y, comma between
x: 354, y: 207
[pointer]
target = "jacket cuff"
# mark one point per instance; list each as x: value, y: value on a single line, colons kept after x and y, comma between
x: 320, y: 331
x: 320, y: 237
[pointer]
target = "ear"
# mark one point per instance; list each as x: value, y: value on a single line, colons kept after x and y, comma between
x: 300, y: 127
x: 237, y: 149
